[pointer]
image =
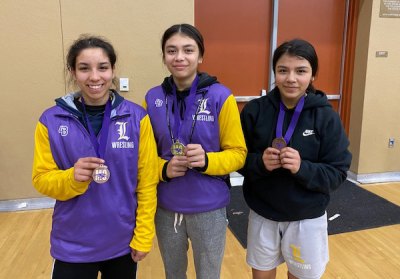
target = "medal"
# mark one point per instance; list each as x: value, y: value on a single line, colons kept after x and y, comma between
x: 101, y: 174
x: 177, y: 148
x: 279, y: 143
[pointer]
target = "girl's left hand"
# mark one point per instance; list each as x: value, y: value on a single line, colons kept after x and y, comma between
x: 138, y: 255
x: 196, y: 155
x: 290, y: 159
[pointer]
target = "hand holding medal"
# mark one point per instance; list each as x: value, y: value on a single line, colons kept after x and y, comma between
x: 177, y: 166
x: 271, y: 159
x: 287, y: 158
x: 195, y: 155
x: 290, y: 159
x: 85, y: 168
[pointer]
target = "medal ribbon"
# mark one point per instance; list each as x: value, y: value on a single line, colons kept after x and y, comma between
x: 293, y: 121
x: 190, y: 100
x: 99, y: 145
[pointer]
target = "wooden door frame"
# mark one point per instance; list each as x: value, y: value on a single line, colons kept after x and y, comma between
x: 350, y: 49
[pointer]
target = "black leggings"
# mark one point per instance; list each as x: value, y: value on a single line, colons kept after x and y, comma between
x: 119, y: 268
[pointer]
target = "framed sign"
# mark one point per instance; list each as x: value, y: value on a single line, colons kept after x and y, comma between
x: 390, y: 8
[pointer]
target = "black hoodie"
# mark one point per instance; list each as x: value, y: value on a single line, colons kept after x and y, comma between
x: 321, y: 141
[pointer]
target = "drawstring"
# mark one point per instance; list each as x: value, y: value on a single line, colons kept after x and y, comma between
x: 180, y: 216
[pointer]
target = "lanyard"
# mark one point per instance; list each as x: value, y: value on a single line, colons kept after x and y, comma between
x: 99, y: 145
x: 190, y: 100
x: 293, y: 121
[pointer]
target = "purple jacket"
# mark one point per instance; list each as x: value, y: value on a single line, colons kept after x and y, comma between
x: 194, y: 192
x: 100, y: 222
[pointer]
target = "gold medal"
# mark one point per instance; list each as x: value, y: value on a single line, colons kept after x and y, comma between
x: 278, y: 143
x: 177, y: 148
x: 101, y: 174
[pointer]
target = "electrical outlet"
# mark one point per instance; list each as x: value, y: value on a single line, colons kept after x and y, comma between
x: 391, y: 143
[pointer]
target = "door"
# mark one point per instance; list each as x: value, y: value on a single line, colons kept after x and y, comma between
x: 236, y: 36
x: 241, y: 35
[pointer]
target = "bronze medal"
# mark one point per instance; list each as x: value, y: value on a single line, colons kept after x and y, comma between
x: 278, y: 143
x: 101, y: 174
x: 177, y: 148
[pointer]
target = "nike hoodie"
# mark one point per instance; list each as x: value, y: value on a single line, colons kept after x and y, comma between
x: 322, y: 143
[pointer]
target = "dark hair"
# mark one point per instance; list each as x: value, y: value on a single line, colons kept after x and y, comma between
x: 89, y: 41
x: 300, y: 48
x: 186, y: 29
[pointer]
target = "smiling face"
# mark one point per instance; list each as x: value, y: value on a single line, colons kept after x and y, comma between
x: 93, y: 74
x: 182, y: 56
x: 293, y: 74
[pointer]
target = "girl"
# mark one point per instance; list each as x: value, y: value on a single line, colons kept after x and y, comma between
x: 95, y: 154
x: 297, y: 155
x: 198, y: 133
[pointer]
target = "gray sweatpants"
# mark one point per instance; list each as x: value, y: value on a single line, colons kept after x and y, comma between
x: 207, y: 233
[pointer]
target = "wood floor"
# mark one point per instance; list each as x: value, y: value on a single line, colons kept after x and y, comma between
x: 368, y: 254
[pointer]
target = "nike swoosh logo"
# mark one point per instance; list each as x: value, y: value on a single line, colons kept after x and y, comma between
x: 308, y: 133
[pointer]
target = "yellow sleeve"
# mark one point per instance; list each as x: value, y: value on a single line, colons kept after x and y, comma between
x: 146, y: 188
x: 233, y: 146
x: 144, y: 105
x: 161, y: 161
x: 47, y: 178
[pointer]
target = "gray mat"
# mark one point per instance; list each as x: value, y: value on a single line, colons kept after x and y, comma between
x: 354, y: 208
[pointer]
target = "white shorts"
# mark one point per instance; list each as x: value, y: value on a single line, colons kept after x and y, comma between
x: 303, y: 245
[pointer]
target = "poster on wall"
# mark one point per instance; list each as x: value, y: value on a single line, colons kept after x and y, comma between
x: 390, y: 8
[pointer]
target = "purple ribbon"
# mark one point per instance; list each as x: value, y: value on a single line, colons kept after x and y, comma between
x: 99, y: 145
x: 293, y: 121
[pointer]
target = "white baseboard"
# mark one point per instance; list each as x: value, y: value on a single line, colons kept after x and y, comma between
x: 369, y: 178
x: 237, y: 179
x: 26, y: 204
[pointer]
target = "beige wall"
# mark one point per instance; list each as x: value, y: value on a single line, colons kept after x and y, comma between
x: 375, y: 109
x: 34, y: 36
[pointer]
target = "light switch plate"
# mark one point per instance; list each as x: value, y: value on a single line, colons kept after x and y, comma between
x: 123, y: 84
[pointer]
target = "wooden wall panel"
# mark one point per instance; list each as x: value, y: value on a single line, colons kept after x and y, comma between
x: 236, y: 35
x: 31, y: 76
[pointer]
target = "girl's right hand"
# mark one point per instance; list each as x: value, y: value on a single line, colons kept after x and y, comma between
x: 177, y: 166
x: 271, y: 158
x: 84, y: 167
